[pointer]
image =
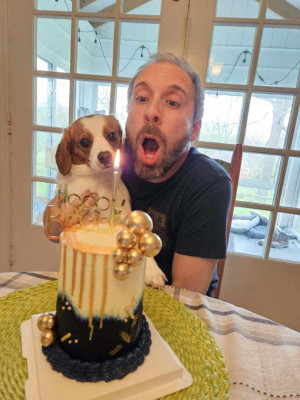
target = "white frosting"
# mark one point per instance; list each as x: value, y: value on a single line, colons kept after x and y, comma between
x: 118, y: 294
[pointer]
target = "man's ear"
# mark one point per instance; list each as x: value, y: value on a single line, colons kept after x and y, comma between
x: 196, y: 129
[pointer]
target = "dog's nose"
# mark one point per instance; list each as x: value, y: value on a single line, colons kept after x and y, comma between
x: 105, y: 158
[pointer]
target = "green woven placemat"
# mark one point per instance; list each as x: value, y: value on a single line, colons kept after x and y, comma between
x: 185, y: 333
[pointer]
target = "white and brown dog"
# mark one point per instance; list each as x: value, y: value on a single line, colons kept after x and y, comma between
x: 85, y: 158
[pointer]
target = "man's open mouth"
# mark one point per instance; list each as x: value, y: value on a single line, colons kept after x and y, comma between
x: 150, y: 150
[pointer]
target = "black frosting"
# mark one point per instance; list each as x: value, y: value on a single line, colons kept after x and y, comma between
x: 114, y: 334
x: 107, y: 370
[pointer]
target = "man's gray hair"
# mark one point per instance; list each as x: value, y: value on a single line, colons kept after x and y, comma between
x: 184, y: 65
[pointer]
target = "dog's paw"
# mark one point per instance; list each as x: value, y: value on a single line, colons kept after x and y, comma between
x: 153, y: 275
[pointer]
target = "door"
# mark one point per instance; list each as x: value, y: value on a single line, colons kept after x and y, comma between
x: 67, y: 61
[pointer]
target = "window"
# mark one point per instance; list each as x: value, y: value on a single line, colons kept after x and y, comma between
x: 82, y: 66
x: 252, y: 97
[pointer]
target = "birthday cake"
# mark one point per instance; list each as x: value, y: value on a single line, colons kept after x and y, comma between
x: 99, y: 331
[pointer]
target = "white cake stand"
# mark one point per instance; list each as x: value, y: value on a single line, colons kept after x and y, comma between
x: 161, y: 374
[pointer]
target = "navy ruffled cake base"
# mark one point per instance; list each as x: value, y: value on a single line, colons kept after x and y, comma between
x: 107, y: 370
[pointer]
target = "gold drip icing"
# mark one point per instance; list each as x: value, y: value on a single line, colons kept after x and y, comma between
x: 74, y: 270
x: 129, y: 312
x: 115, y: 350
x: 64, y: 272
x: 134, y: 321
x: 131, y: 305
x: 104, y: 293
x: 67, y: 336
x: 83, y: 264
x: 91, y: 300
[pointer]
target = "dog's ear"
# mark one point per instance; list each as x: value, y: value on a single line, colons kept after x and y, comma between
x: 63, y: 153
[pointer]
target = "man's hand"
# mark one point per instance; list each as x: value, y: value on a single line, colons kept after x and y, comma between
x: 59, y: 214
x: 192, y: 273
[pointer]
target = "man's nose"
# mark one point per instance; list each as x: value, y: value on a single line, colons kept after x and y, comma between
x: 153, y: 114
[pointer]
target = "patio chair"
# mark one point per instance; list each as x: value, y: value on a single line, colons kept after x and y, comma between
x: 233, y: 170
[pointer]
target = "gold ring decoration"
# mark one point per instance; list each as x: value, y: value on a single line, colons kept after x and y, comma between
x: 108, y: 203
x: 134, y: 242
x: 89, y: 197
x: 76, y: 197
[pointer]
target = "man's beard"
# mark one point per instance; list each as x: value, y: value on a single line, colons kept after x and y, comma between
x: 168, y: 154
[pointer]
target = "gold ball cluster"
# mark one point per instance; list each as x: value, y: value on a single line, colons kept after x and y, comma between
x: 137, y: 232
x: 46, y: 323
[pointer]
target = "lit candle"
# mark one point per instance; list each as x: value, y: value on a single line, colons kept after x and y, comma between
x: 114, y: 188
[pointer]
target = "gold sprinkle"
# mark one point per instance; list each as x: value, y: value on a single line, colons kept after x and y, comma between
x: 115, y: 350
x: 65, y: 337
x: 76, y: 341
x: 125, y: 337
x: 63, y: 308
x: 69, y: 308
x: 70, y: 341
x: 66, y: 303
x: 125, y: 320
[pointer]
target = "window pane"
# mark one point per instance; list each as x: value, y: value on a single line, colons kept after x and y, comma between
x: 222, y: 115
x: 107, y: 6
x: 138, y: 40
x: 65, y: 5
x: 289, y: 9
x: 290, y: 196
x: 258, y: 178
x: 121, y: 104
x: 249, y: 229
x: 42, y: 194
x: 238, y: 8
x: 217, y: 154
x: 296, y: 140
x: 45, y: 145
x: 285, y: 243
x: 278, y: 63
x: 95, y: 47
x: 230, y: 54
x: 92, y: 98
x: 53, y: 41
x: 52, y: 102
x: 268, y: 120
x: 152, y: 7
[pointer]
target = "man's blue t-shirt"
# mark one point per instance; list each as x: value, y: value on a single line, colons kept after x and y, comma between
x: 189, y: 210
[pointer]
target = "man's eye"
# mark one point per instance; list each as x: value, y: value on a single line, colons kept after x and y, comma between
x: 141, y: 99
x: 173, y: 103
x: 112, y: 136
x: 85, y: 143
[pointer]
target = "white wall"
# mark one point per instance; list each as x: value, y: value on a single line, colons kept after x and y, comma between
x: 268, y: 288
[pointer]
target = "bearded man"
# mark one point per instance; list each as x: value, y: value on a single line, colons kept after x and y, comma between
x: 186, y: 193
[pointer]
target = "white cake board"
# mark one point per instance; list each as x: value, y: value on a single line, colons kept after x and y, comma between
x: 161, y: 374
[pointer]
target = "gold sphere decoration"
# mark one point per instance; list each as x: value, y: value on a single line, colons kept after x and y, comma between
x: 126, y: 239
x: 122, y: 271
x: 120, y: 255
x: 139, y: 222
x: 150, y: 244
x: 48, y: 337
x: 134, y: 257
x: 46, y: 321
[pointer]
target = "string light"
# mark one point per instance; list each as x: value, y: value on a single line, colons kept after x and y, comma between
x: 142, y: 48
x: 245, y: 52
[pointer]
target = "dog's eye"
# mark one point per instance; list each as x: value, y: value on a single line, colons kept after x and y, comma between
x: 112, y: 136
x: 85, y: 143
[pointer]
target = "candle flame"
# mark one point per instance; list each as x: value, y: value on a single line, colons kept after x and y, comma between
x: 117, y: 161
